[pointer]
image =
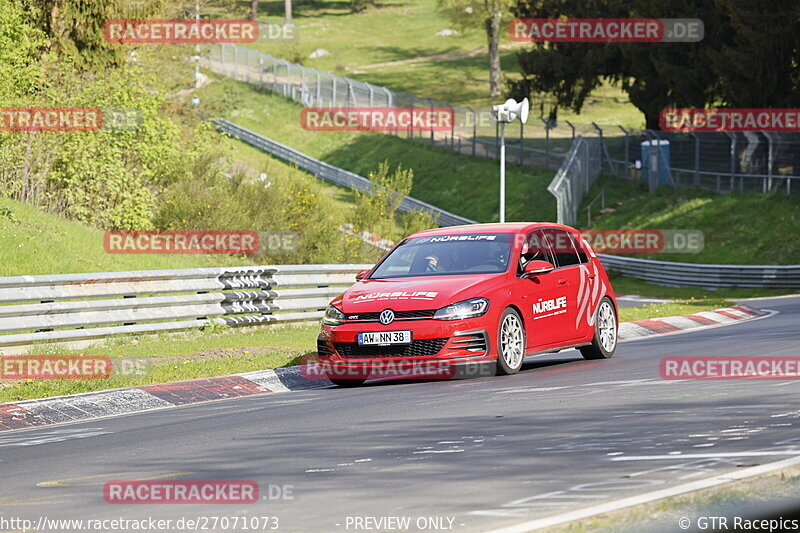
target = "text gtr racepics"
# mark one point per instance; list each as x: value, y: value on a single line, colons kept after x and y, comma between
x: 480, y: 296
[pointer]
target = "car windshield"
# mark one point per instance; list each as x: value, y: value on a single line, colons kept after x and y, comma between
x: 447, y: 255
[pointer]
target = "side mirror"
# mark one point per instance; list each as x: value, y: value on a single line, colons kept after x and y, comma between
x: 361, y: 275
x: 533, y: 268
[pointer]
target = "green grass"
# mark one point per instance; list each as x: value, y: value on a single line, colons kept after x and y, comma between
x: 740, y: 228
x: 626, y: 285
x: 35, y: 242
x: 465, y: 185
x: 176, y: 357
x: 676, y: 308
x: 362, y: 44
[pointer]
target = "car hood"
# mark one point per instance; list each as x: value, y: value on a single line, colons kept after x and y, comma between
x: 418, y: 293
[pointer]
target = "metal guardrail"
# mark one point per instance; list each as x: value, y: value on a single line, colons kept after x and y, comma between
x: 336, y: 175
x: 673, y: 274
x: 81, y: 307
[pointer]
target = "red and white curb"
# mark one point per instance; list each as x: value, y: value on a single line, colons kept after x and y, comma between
x: 90, y: 405
x: 676, y: 324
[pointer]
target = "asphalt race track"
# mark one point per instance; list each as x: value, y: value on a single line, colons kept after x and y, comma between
x: 470, y: 455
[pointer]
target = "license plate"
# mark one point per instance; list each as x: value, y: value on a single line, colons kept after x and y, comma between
x: 384, y: 338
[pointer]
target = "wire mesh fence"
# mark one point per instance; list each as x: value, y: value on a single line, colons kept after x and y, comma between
x: 575, y: 176
x: 723, y: 162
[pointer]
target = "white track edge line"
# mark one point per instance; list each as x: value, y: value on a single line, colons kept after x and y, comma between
x: 647, y: 497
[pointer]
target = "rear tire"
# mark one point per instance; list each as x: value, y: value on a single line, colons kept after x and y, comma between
x: 604, y: 342
x: 510, y: 343
x: 347, y: 383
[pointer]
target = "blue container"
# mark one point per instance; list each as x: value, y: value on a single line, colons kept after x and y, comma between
x: 656, y: 154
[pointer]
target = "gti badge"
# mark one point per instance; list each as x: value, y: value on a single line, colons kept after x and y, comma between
x: 387, y: 316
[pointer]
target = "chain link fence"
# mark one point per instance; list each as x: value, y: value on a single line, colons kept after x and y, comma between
x: 723, y: 162
x: 575, y: 176
x: 475, y: 132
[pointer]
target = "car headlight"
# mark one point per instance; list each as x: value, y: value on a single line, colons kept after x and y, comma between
x: 466, y: 309
x: 333, y: 317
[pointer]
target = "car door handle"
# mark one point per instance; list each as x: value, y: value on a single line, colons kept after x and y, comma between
x: 561, y: 281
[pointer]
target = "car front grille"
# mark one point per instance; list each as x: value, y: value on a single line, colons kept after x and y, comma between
x: 398, y: 315
x: 417, y: 348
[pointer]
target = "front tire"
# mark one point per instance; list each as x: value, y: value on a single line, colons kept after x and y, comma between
x: 510, y: 343
x: 604, y: 342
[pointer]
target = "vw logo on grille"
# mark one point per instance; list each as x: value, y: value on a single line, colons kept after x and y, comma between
x: 387, y: 316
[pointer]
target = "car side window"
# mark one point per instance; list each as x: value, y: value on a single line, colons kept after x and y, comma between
x: 564, y: 248
x: 578, y: 243
x: 536, y: 248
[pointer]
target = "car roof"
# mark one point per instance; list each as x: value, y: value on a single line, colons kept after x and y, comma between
x: 508, y: 227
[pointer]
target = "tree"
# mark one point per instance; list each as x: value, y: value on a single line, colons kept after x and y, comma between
x: 253, y: 9
x: 486, y: 14
x: 287, y: 12
x: 20, y: 46
x: 758, y: 63
x: 746, y: 59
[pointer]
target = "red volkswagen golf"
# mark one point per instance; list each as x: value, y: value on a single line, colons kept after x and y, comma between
x: 479, y: 296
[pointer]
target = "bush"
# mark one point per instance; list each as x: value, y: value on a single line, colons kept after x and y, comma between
x: 377, y: 210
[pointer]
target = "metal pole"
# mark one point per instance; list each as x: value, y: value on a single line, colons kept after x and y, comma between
x: 732, y: 137
x: 388, y: 96
x: 502, y: 172
x: 333, y: 91
x: 627, y: 152
x: 572, y: 127
x: 474, y: 128
x: 235, y: 61
x: 521, y: 144
x: 496, y: 138
x: 770, y: 157
x: 410, y: 131
x: 696, y: 159
x: 453, y: 129
x: 602, y: 142
x: 371, y: 95
x: 546, y: 141
x: 319, y: 89
x: 430, y: 102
